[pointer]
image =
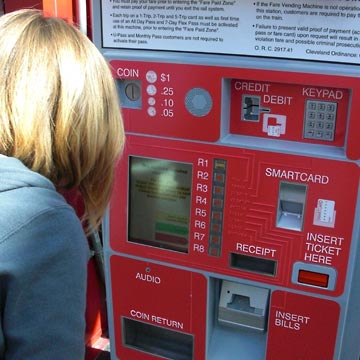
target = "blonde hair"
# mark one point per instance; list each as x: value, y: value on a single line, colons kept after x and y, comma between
x: 59, y: 109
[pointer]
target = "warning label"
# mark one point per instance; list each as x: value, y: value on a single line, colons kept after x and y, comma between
x: 321, y: 30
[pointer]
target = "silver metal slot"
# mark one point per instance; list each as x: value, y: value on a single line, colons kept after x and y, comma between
x: 243, y: 306
x: 291, y: 206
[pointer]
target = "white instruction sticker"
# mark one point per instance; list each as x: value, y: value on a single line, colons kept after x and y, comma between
x: 324, y: 214
x: 311, y: 30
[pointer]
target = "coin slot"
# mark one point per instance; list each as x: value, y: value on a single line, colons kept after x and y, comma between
x: 129, y: 92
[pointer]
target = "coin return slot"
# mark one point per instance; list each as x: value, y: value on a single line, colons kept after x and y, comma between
x: 291, y: 206
x: 157, y: 340
x: 243, y: 306
x: 253, y: 264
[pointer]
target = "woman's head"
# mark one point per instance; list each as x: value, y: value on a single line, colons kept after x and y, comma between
x: 59, y: 110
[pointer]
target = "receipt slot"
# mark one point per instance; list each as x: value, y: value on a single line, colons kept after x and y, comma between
x: 233, y: 230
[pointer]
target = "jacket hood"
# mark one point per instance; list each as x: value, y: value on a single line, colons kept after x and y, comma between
x: 14, y: 175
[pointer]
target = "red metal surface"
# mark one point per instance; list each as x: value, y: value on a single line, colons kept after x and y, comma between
x: 284, y: 92
x: 250, y: 218
x: 21, y: 4
x: 160, y: 296
x: 298, y: 320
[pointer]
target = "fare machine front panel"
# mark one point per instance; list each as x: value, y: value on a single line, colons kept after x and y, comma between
x: 233, y: 229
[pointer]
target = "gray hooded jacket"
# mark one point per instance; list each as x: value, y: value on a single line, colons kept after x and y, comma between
x: 43, y: 265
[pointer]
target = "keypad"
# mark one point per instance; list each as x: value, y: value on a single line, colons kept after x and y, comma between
x: 320, y: 120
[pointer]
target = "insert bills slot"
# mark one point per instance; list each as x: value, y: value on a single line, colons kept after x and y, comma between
x: 243, y: 306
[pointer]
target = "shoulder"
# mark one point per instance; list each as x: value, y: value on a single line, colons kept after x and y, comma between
x: 28, y: 207
x: 33, y: 214
x: 39, y: 221
x: 47, y: 237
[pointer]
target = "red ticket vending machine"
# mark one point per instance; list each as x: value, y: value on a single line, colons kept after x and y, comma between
x: 233, y: 230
